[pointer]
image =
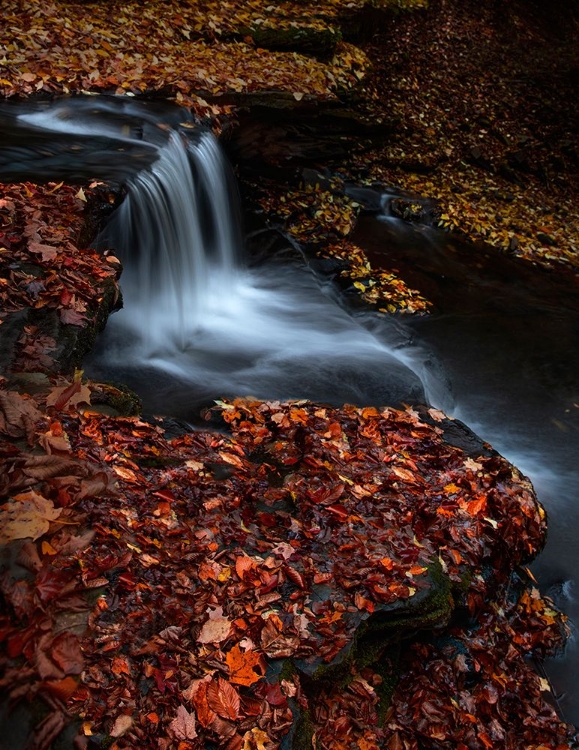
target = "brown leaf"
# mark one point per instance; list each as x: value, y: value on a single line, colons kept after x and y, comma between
x: 66, y: 652
x: 223, y: 698
x: 18, y: 415
x: 71, y: 317
x: 27, y: 515
x: 47, y: 669
x: 47, y: 731
x: 69, y: 395
x: 48, y: 252
x: 45, y: 467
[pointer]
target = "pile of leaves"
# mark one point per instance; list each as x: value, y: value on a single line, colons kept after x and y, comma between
x: 321, y: 218
x: 256, y: 589
x: 42, y: 267
x: 482, y: 94
x: 200, y: 48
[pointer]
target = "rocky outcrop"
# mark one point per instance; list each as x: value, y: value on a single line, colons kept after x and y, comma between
x: 314, y: 562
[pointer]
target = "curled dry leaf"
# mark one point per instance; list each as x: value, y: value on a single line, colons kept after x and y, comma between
x: 122, y: 724
x: 18, y: 415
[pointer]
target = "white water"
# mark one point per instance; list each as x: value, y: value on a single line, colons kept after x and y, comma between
x: 198, y: 324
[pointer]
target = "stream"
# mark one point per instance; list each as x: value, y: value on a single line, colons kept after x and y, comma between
x: 500, y: 352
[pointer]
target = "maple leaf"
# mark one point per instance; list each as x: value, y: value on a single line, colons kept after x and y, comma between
x: 46, y: 251
x: 245, y: 667
x: 183, y: 725
x: 27, y: 515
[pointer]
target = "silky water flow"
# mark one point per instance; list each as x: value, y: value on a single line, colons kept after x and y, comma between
x: 198, y: 323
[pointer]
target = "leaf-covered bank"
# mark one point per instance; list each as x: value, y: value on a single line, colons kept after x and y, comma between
x: 337, y: 577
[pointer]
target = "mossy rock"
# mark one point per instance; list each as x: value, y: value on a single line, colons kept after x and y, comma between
x: 309, y: 40
x: 118, y: 399
x: 429, y: 608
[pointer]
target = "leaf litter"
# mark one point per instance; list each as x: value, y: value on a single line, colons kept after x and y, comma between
x: 222, y: 604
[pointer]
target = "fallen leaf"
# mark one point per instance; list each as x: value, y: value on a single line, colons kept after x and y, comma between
x: 122, y: 724
x: 223, y: 698
x: 27, y: 515
x: 183, y: 725
x: 216, y: 628
x: 245, y: 667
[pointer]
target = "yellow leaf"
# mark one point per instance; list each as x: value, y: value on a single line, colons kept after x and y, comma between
x: 27, y: 515
x: 255, y: 739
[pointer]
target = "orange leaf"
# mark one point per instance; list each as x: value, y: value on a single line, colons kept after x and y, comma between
x: 223, y: 698
x: 243, y: 665
x: 474, y: 507
x: 205, y: 715
x: 457, y: 557
x: 243, y: 564
x: 61, y: 689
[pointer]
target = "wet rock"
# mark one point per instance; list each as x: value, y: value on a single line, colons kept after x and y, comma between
x: 546, y: 239
x: 311, y: 40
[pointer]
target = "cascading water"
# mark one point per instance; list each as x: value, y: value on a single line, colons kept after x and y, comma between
x: 178, y: 242
x: 197, y: 323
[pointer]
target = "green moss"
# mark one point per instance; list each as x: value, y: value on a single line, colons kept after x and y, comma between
x: 429, y: 608
x: 388, y: 667
x: 303, y: 734
x: 117, y: 397
x: 320, y: 42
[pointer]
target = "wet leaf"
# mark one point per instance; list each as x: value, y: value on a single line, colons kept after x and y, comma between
x: 223, y: 698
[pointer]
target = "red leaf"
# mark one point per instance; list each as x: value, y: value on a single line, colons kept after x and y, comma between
x: 205, y: 714
x: 67, y: 654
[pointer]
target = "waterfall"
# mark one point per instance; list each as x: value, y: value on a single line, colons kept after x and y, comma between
x: 178, y: 233
x: 197, y: 323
